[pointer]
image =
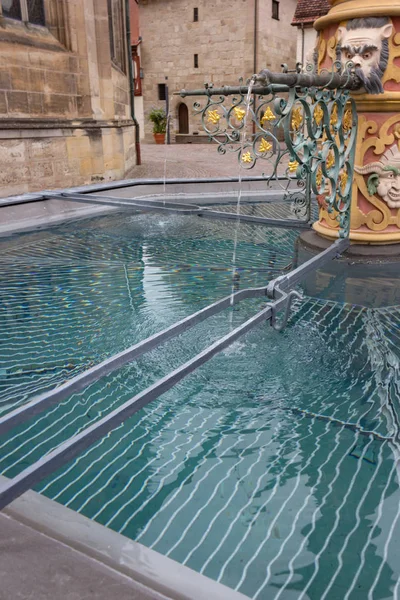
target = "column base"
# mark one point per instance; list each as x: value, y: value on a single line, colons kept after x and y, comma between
x: 360, y: 237
x: 364, y: 275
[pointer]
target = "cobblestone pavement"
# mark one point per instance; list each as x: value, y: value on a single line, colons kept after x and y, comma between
x: 191, y: 160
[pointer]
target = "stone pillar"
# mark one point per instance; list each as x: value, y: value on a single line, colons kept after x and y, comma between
x: 367, y: 32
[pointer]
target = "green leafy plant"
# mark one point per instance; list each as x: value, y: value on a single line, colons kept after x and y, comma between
x: 159, y: 119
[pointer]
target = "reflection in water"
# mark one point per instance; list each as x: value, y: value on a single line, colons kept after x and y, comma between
x: 372, y: 283
x: 274, y: 467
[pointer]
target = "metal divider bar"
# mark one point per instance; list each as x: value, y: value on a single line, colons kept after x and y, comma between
x: 175, y: 208
x: 123, y: 183
x: 78, y: 443
x: 151, y: 205
x: 280, y: 284
x: 47, y: 399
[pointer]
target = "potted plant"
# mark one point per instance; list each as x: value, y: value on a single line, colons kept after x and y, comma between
x: 159, y: 119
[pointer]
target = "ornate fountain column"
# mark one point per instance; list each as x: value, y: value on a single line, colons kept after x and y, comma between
x: 367, y: 32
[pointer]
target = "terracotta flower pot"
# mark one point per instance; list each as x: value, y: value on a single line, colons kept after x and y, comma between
x: 159, y: 138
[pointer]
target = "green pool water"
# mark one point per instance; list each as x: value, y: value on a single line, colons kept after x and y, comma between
x: 260, y: 469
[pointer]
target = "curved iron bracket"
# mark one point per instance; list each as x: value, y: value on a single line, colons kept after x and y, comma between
x: 288, y: 299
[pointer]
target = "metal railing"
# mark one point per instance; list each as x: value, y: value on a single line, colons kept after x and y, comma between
x: 281, y: 287
x: 319, y: 128
x: 316, y: 119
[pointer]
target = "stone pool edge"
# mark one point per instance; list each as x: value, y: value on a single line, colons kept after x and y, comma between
x: 143, y: 565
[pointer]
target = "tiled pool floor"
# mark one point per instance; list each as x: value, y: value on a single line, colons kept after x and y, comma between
x: 273, y: 468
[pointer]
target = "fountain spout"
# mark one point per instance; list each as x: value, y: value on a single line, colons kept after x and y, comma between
x: 330, y: 80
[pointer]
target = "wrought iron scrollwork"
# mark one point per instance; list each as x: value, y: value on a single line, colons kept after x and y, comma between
x: 305, y: 133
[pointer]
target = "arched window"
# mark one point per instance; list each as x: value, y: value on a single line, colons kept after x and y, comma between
x: 183, y: 116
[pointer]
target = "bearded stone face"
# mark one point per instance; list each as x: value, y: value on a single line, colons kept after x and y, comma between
x: 366, y: 46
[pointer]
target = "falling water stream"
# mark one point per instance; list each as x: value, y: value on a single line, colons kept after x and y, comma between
x: 166, y: 155
x: 242, y: 146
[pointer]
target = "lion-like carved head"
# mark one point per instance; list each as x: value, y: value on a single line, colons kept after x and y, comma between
x: 364, y: 42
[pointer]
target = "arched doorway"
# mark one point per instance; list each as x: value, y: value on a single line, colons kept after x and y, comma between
x: 183, y: 116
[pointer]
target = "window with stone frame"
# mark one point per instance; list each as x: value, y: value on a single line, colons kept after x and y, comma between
x: 28, y: 11
x: 117, y: 33
x: 49, y: 13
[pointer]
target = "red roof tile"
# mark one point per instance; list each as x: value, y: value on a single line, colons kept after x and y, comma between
x: 308, y: 11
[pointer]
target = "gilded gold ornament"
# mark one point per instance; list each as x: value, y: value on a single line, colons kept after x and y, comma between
x: 239, y: 113
x: 265, y: 146
x: 347, y: 119
x: 330, y: 161
x: 268, y: 116
x: 247, y: 158
x: 292, y: 165
x: 334, y: 116
x: 297, y: 118
x: 318, y: 114
x: 343, y: 180
x: 213, y: 116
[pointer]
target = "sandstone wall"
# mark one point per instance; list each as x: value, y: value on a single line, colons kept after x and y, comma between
x: 223, y: 39
x: 64, y: 106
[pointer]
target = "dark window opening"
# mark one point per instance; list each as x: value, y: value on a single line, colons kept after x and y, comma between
x: 12, y: 9
x: 137, y: 71
x: 162, y: 91
x: 196, y: 61
x: 36, y: 12
x: 116, y: 31
x: 183, y: 115
x: 195, y: 14
x: 29, y: 11
x: 275, y: 9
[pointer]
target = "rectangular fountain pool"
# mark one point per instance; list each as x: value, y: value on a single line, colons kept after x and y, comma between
x: 272, y: 468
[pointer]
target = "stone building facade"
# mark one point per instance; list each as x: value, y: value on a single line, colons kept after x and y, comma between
x: 65, y: 115
x: 196, y: 41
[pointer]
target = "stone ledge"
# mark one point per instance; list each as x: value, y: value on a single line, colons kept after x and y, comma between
x: 187, y: 138
x: 33, y: 123
x: 35, y: 36
x: 147, y: 567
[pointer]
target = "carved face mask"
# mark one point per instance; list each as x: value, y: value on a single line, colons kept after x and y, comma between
x: 389, y: 187
x: 384, y: 177
x: 363, y: 46
x: 367, y: 48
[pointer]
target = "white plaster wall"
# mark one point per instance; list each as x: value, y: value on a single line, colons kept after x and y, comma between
x: 139, y: 114
x: 306, y: 40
